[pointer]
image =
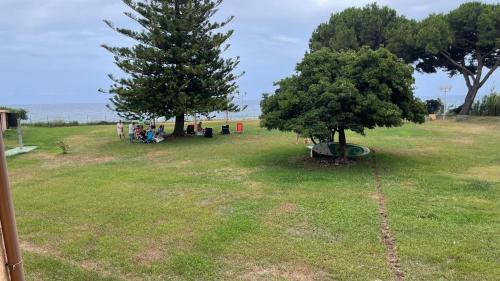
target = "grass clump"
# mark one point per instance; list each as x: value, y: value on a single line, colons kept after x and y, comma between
x: 64, y: 147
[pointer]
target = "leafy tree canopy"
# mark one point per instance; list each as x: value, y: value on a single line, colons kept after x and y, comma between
x: 337, y: 91
x: 353, y: 28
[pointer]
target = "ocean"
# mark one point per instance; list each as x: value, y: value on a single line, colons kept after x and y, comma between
x: 96, y: 112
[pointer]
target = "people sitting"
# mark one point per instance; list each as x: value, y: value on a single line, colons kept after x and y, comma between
x: 158, y: 138
x: 199, y: 129
x: 161, y: 131
x: 139, y: 133
x: 150, y: 135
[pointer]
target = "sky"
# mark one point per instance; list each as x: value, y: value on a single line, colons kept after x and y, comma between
x: 50, y: 50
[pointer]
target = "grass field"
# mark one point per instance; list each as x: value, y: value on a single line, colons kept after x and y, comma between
x: 255, y: 207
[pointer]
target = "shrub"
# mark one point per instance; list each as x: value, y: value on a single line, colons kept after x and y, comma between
x: 63, y: 146
x: 488, y: 106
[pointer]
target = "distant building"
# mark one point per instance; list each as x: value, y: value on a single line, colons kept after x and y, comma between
x: 8, y: 119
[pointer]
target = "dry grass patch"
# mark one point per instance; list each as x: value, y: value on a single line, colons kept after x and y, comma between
x: 157, y: 155
x: 150, y: 255
x: 488, y: 173
x: 287, y: 208
x: 289, y: 272
x: 50, y: 252
x: 53, y: 160
x: 414, y: 151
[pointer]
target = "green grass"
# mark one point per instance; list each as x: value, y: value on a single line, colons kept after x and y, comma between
x: 255, y: 207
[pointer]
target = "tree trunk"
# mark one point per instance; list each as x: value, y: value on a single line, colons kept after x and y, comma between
x: 332, y: 137
x: 469, y: 100
x: 179, y: 126
x: 342, y: 143
x: 312, y: 139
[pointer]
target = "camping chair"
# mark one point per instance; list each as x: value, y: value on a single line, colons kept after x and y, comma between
x: 209, y: 132
x: 225, y: 130
x: 239, y: 128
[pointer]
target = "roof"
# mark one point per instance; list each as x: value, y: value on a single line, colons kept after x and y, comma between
x: 4, y: 111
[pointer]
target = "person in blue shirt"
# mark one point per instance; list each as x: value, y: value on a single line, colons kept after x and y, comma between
x: 150, y: 135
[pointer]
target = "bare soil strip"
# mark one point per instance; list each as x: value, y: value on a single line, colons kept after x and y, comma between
x: 388, y: 239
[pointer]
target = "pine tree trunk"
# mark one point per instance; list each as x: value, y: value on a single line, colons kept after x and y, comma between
x: 342, y: 143
x: 179, y: 126
x: 469, y: 100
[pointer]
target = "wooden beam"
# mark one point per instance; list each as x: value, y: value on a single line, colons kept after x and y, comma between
x: 8, y: 222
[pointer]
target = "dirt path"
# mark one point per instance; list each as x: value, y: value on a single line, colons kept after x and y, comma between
x: 385, y: 230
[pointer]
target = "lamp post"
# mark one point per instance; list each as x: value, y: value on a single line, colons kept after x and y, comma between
x: 8, y: 221
x: 445, y: 90
x: 19, y: 134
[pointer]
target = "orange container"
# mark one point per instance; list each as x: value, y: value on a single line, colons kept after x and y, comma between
x: 239, y: 128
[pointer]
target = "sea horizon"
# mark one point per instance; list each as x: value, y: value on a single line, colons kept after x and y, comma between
x: 92, y: 112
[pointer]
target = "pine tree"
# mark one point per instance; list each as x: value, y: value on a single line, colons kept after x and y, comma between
x: 176, y: 66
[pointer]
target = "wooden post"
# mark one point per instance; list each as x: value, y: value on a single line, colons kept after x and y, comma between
x: 8, y: 222
x: 4, y: 273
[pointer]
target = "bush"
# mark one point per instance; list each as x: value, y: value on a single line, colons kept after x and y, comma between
x: 63, y: 146
x: 488, y: 106
x: 433, y: 106
x: 55, y: 123
x: 62, y: 123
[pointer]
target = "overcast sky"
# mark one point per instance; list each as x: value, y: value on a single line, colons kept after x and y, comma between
x: 49, y: 50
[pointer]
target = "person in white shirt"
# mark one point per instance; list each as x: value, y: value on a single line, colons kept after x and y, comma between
x: 119, y: 130
x: 131, y: 132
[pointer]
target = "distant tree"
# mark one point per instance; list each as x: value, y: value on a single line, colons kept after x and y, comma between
x: 371, y: 26
x: 465, y: 42
x: 338, y: 91
x: 176, y: 66
x: 433, y: 106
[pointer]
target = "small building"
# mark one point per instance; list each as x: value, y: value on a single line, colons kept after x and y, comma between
x: 8, y: 119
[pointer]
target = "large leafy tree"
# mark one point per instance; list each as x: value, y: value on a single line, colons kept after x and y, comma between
x: 337, y: 91
x: 464, y: 42
x: 372, y: 26
x: 176, y: 66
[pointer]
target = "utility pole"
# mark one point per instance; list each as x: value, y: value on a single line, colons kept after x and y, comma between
x: 19, y: 134
x: 8, y: 222
x: 445, y: 89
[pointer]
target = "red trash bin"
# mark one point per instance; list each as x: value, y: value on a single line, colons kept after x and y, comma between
x: 239, y: 128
